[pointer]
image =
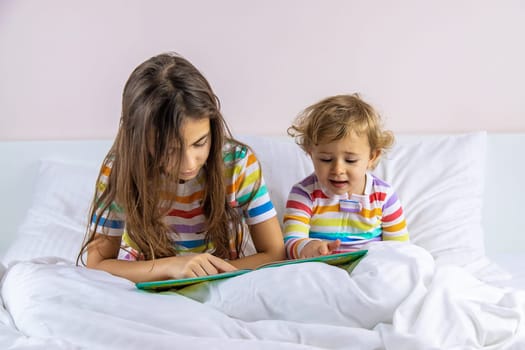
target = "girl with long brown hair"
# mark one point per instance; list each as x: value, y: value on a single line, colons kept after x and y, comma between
x: 177, y: 196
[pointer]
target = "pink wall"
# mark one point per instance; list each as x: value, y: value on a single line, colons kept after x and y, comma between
x: 440, y: 66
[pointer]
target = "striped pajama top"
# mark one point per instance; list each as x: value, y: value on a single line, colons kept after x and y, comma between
x: 185, y: 217
x: 354, y: 220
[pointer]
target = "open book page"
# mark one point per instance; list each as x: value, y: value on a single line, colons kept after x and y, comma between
x: 182, y: 282
x: 333, y: 259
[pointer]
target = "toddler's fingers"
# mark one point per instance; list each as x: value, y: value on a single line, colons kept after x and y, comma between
x: 323, y: 249
x: 333, y: 245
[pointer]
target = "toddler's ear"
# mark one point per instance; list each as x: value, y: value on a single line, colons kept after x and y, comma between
x: 374, y: 158
x: 308, y: 151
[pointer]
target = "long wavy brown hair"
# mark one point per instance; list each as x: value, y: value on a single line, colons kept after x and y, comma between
x: 159, y: 94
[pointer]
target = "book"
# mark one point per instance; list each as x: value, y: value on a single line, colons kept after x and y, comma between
x: 332, y: 259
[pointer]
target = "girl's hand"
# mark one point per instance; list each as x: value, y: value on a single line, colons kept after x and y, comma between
x: 197, y: 265
x: 317, y: 248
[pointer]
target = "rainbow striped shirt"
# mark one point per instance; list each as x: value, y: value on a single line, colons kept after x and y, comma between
x: 354, y: 220
x: 186, y: 218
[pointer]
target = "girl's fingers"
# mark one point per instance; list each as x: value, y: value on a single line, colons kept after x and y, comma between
x: 208, y: 268
x: 221, y: 265
x: 198, y: 270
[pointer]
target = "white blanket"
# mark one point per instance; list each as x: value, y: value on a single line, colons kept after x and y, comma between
x: 396, y: 298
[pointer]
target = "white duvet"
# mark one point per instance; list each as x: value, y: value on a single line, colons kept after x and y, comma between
x: 396, y: 298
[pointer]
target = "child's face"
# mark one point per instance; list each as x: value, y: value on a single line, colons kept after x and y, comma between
x: 196, y: 142
x: 341, y: 165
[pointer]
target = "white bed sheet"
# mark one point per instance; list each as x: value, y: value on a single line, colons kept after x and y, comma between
x: 307, y: 306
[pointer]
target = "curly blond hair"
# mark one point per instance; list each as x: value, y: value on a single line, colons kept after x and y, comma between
x: 333, y: 118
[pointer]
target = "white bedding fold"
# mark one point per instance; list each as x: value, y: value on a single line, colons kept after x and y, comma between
x: 395, y: 299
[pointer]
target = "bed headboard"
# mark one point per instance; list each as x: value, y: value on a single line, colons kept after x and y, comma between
x: 503, y: 200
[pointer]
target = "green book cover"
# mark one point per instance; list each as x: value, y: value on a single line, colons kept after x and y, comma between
x: 333, y: 259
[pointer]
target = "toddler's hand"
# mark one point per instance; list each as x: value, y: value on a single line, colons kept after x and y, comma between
x: 317, y: 248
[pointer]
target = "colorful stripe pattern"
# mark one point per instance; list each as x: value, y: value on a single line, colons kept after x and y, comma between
x: 185, y: 218
x: 311, y: 214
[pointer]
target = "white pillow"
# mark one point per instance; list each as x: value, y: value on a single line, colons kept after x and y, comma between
x: 441, y: 182
x: 283, y: 164
x: 439, y: 179
x: 56, y: 220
